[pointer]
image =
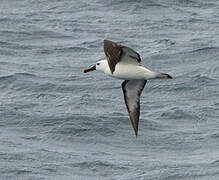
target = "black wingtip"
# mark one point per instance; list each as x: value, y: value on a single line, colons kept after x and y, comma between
x: 136, y: 131
x: 136, y: 134
x: 169, y: 77
x: 164, y: 76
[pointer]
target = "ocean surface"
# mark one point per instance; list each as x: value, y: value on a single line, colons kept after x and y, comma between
x: 57, y: 123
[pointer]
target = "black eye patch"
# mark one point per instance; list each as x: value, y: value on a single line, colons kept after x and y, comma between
x: 98, y: 64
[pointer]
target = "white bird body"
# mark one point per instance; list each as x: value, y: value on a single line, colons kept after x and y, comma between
x: 126, y: 71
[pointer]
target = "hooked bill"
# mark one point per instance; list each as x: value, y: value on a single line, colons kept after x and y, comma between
x: 91, y: 68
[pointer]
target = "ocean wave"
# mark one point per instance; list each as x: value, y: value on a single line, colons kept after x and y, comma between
x: 26, y: 82
x: 46, y: 34
x: 193, y: 83
x: 33, y: 34
x: 205, y: 50
x: 11, y: 33
x: 80, y: 126
x: 16, y: 46
x: 203, y: 80
x: 98, y: 165
x: 215, y: 135
x: 136, y: 3
x: 16, y: 76
x: 63, y: 49
x: 17, y: 172
x: 183, y: 87
x: 165, y: 41
x: 70, y: 130
x: 179, y: 114
x: 91, y: 43
x: 93, y: 164
x: 215, y: 163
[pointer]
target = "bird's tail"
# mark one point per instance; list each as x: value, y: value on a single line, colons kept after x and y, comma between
x: 163, y: 76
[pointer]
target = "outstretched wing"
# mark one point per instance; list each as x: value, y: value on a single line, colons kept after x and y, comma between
x: 115, y: 53
x: 132, y: 91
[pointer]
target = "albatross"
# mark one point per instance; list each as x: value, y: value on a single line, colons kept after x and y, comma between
x: 123, y: 63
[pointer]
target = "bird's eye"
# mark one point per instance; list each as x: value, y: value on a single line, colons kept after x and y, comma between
x: 98, y: 64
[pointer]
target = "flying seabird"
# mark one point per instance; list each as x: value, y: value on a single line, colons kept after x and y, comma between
x: 124, y: 63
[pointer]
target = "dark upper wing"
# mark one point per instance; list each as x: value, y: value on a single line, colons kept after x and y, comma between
x: 132, y: 91
x: 115, y: 53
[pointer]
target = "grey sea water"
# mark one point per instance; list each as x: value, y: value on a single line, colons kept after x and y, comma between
x: 58, y: 123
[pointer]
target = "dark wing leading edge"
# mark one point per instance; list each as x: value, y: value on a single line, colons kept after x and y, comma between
x: 132, y: 91
x: 115, y: 53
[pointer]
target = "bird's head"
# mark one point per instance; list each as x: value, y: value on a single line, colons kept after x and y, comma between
x: 100, y: 65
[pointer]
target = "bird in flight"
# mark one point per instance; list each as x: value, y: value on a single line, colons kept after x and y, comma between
x: 123, y: 63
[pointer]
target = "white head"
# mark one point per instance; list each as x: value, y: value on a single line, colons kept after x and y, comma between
x: 100, y: 65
